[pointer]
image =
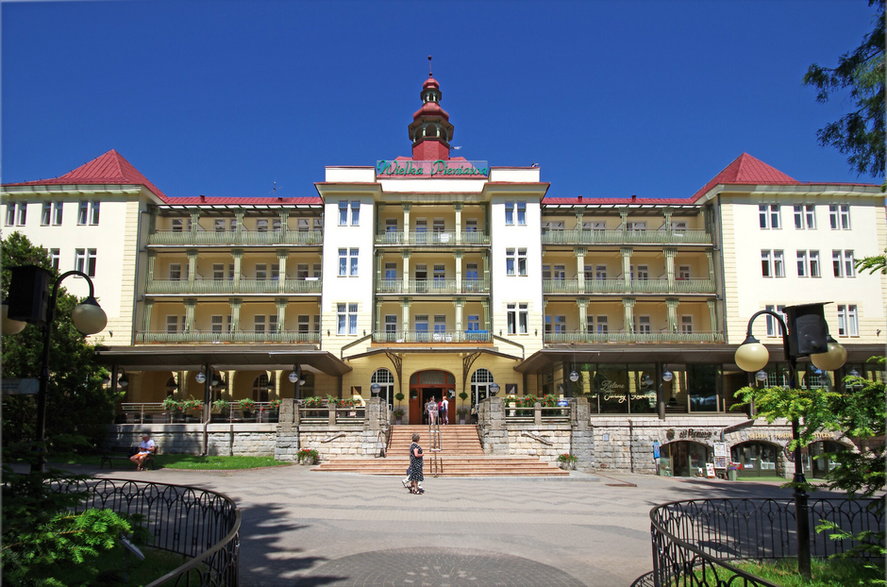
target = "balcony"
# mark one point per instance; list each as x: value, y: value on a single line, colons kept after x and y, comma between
x: 206, y: 336
x: 636, y: 286
x: 433, y: 286
x: 235, y: 238
x: 630, y: 337
x: 626, y: 237
x: 226, y: 286
x: 434, y: 239
x: 424, y: 337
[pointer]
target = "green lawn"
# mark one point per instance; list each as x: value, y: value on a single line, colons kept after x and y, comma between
x: 119, y: 567
x: 826, y: 573
x: 173, y: 461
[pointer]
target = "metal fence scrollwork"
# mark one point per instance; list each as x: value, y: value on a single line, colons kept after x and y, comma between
x: 695, y: 542
x: 200, y: 524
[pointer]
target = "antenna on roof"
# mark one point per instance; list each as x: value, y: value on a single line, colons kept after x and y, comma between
x: 429, y: 66
x: 273, y: 187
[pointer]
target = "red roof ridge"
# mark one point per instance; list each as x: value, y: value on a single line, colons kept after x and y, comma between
x: 746, y: 169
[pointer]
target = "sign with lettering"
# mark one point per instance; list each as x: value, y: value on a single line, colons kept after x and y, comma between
x: 441, y: 168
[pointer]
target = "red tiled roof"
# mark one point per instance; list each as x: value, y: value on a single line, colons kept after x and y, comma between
x: 110, y: 168
x: 619, y: 200
x: 242, y: 200
x: 746, y: 169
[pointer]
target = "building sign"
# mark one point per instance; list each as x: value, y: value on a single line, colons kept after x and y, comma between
x: 688, y: 434
x: 442, y: 168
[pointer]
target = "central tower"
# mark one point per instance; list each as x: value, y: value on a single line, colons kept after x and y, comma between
x: 431, y: 131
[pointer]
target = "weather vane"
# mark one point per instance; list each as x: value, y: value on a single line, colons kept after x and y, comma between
x: 429, y: 66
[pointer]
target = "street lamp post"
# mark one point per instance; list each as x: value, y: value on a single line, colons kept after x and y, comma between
x: 88, y: 317
x: 808, y: 337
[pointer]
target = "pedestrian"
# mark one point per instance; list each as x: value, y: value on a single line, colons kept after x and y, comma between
x: 147, y: 448
x: 444, y: 407
x: 431, y: 409
x: 415, y: 471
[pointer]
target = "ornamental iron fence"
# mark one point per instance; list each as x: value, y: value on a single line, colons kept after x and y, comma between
x: 197, y: 523
x: 695, y: 542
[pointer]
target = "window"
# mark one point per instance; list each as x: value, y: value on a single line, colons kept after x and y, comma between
x: 637, y: 226
x: 516, y: 262
x: 509, y: 213
x: 94, y: 213
x: 262, y: 225
x: 473, y: 322
x: 346, y: 318
x: 83, y: 213
x: 768, y: 216
x: 640, y: 272
x: 679, y: 226
x: 276, y: 223
x: 439, y: 274
x: 684, y: 272
x: 85, y: 261
x: 175, y: 272
x: 348, y: 262
x: 391, y: 225
x: 172, y: 324
x: 555, y: 324
x: 216, y: 324
x: 355, y: 213
x: 438, y: 225
x: 265, y: 324
x: 261, y: 271
x: 808, y: 263
x: 600, y: 325
x: 600, y: 272
x: 390, y: 271
x: 480, y: 384
x: 686, y: 324
x: 510, y: 260
x: 522, y: 213
x: 219, y: 272
x: 440, y: 323
x: 343, y: 213
x: 559, y: 273
x: 175, y: 224
x: 772, y: 327
x: 259, y: 324
x: 420, y: 322
x: 843, y: 264
x: 57, y: 213
x: 10, y: 214
x: 839, y: 216
x: 471, y: 225
x: 22, y: 214
x: 597, y: 225
x: 848, y: 320
x: 553, y: 226
x: 390, y: 327
x: 45, y: 214
x: 517, y: 316
x: 219, y: 225
x: 233, y: 224
x: 385, y: 380
x: 644, y: 326
x: 344, y: 207
x: 772, y: 263
x: 805, y: 217
x: 54, y: 257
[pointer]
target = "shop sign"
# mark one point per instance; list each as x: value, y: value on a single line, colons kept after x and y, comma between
x: 441, y: 168
x: 688, y: 434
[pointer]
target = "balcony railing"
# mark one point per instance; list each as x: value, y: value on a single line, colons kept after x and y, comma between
x: 229, y: 286
x: 639, y: 237
x: 414, y: 336
x: 432, y: 238
x: 635, y: 286
x: 432, y: 286
x: 206, y: 336
x: 235, y: 238
x: 622, y: 337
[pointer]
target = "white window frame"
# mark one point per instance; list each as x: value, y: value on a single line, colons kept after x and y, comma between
x: 805, y: 217
x: 346, y: 318
x: 22, y: 216
x: 521, y: 213
x: 10, y: 215
x: 45, y: 213
x: 772, y: 263
x: 57, y: 213
x: 769, y: 217
x: 517, y: 317
x: 843, y: 263
x: 686, y: 325
x: 55, y: 258
x: 509, y: 213
x: 94, y: 212
x: 848, y: 320
x: 83, y: 213
x: 839, y: 216
x: 773, y: 329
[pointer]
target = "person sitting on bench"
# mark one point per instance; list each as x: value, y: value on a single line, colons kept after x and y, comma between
x: 147, y: 448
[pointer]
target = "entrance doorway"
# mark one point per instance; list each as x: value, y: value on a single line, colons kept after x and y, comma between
x: 758, y: 459
x: 424, y: 385
x: 684, y: 458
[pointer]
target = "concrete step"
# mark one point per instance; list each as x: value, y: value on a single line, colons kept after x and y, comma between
x: 451, y: 465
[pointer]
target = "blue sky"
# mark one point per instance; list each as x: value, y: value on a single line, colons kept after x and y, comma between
x: 226, y: 97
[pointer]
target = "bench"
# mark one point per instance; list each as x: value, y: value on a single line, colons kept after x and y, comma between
x: 122, y: 453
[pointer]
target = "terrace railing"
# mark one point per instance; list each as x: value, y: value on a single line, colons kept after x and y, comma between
x: 696, y: 542
x: 619, y: 236
x: 636, y: 286
x: 231, y: 286
x: 155, y: 412
x: 630, y: 337
x: 197, y: 523
x: 432, y: 286
x: 537, y: 413
x: 412, y: 336
x: 432, y: 238
x: 205, y: 336
x: 235, y: 238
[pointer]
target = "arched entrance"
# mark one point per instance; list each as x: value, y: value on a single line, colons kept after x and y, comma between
x: 424, y: 385
x: 685, y: 458
x: 758, y: 459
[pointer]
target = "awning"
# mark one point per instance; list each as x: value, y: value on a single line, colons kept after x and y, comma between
x: 183, y: 358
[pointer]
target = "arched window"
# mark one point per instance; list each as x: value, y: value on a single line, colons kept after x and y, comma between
x: 480, y: 385
x: 261, y: 385
x: 386, y: 384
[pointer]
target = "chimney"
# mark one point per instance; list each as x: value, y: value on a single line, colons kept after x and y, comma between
x: 202, y: 198
x: 634, y: 197
x: 580, y: 197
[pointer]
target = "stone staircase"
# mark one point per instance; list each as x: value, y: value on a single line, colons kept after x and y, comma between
x: 461, y: 455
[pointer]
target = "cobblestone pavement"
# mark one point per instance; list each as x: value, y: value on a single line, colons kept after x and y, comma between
x: 308, y: 528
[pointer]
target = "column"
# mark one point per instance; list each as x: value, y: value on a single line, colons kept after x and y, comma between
x: 152, y: 259
x: 628, y: 310
x: 486, y: 275
x: 406, y: 272
x: 713, y: 317
x: 583, y: 314
x: 623, y: 218
x: 379, y: 325
x: 281, y: 315
x: 458, y: 271
x: 405, y: 317
x: 579, y: 219
x: 460, y: 303
x: 626, y: 267
x: 378, y: 260
x: 459, y: 222
x: 488, y: 322
x: 580, y: 267
x: 192, y: 266
x: 190, y: 305
x: 709, y: 256
x: 406, y: 223
x: 669, y: 267
x: 235, y: 313
x: 229, y: 378
x: 281, y: 279
x: 238, y: 231
x: 284, y: 225
x: 667, y: 214
x: 238, y: 261
x: 148, y: 310
x: 195, y: 218
x: 671, y: 306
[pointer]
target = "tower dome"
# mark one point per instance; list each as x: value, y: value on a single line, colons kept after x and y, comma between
x: 431, y: 131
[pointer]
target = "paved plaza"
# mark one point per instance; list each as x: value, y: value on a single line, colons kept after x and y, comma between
x: 309, y: 528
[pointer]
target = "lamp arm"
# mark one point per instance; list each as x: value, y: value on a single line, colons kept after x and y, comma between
x: 53, y: 297
x: 783, y: 329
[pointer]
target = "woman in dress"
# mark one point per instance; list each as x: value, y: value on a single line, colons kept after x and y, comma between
x: 416, y: 462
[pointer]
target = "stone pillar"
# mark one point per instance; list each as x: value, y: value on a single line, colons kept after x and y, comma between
x: 238, y: 262
x: 378, y: 260
x: 281, y: 315
x: 580, y: 268
x: 713, y: 316
x: 284, y: 222
x: 379, y: 325
x: 667, y: 215
x: 583, y: 314
x: 190, y: 305
x: 628, y: 309
x: 579, y: 216
x: 671, y: 305
x: 238, y: 231
x: 406, y: 272
x: 669, y: 268
x: 235, y: 313
x: 458, y: 222
x: 192, y: 266
x: 458, y: 271
x: 582, y: 437
x: 195, y: 219
x: 488, y: 320
x: 623, y: 219
x: 494, y: 435
x: 281, y: 277
x: 460, y: 303
x: 626, y: 267
x: 405, y: 317
x: 148, y: 309
x: 406, y: 224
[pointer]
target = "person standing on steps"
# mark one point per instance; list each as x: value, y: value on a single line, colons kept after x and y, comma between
x: 416, y: 464
x: 444, y: 406
x: 431, y: 409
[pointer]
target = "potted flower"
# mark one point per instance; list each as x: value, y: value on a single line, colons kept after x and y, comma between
x: 313, y: 402
x: 274, y: 404
x: 171, y: 404
x: 308, y: 456
x: 733, y: 471
x: 567, y: 461
x: 398, y: 415
x: 247, y: 405
x: 220, y: 405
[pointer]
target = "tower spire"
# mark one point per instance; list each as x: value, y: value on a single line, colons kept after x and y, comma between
x: 431, y: 131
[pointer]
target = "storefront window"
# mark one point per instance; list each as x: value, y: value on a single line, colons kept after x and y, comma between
x: 756, y: 459
x: 610, y: 389
x: 815, y: 460
x: 684, y: 458
x: 702, y: 386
